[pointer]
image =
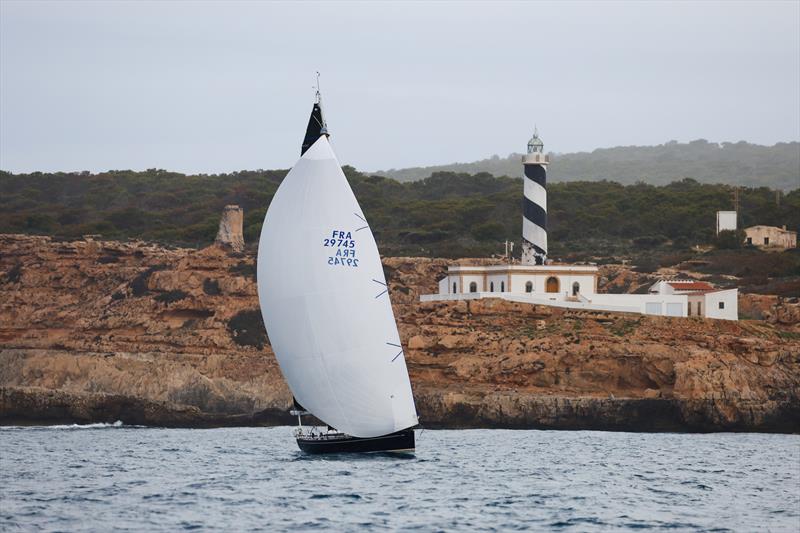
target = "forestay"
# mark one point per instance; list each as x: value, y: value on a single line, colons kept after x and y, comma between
x: 325, y: 303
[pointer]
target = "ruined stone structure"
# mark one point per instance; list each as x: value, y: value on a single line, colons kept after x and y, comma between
x: 230, y: 229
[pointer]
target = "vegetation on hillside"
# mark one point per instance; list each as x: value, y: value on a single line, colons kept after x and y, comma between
x: 739, y: 163
x: 445, y: 215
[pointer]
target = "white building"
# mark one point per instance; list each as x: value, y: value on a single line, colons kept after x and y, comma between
x: 726, y: 221
x: 702, y: 299
x: 556, y: 282
x: 575, y: 287
x: 572, y: 286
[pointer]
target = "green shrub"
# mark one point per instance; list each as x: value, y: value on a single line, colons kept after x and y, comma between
x: 139, y: 283
x: 211, y: 287
x: 171, y: 296
x: 247, y: 329
x: 729, y: 240
x: 14, y: 274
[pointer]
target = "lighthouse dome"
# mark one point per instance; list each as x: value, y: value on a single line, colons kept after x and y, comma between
x: 535, y: 145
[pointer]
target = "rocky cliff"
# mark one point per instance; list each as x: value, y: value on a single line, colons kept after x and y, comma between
x: 104, y: 331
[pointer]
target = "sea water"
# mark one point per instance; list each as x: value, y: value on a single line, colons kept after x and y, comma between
x: 99, y: 478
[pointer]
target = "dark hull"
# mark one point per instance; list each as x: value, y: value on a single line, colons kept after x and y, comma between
x: 402, y: 441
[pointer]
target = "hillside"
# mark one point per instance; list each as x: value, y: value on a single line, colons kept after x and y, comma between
x: 741, y: 163
x: 103, y: 331
x: 445, y: 215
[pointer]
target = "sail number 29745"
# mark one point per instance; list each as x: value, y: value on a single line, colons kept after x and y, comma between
x: 345, y: 246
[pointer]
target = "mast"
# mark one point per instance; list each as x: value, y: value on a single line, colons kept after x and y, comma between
x: 316, y: 122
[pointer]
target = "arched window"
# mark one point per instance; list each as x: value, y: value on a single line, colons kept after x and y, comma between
x: 576, y: 288
x: 491, y: 286
x: 454, y: 288
x: 551, y: 285
x: 473, y: 287
x: 529, y: 287
x: 502, y: 286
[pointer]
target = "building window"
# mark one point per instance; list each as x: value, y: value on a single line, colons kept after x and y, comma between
x: 502, y: 286
x: 698, y: 310
x: 689, y: 309
x: 551, y: 285
x: 766, y: 240
x: 529, y: 286
x: 454, y: 288
x: 473, y: 287
x: 491, y: 286
x: 749, y: 240
x: 722, y: 305
x: 576, y: 288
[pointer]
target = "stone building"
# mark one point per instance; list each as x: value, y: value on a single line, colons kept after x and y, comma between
x: 230, y: 234
x: 770, y: 236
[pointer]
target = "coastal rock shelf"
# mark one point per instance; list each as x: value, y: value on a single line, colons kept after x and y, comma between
x: 98, y: 331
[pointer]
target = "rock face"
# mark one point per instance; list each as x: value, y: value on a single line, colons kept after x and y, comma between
x: 95, y: 331
x: 230, y: 234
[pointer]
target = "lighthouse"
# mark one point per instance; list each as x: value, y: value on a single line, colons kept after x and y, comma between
x: 534, y: 210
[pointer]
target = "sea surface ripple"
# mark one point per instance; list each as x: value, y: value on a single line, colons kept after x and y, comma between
x: 99, y: 478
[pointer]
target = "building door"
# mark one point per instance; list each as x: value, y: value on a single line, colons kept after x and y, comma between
x: 502, y: 286
x: 491, y: 286
x: 454, y: 288
x: 529, y: 286
x: 473, y: 287
x: 576, y: 288
x: 699, y: 313
x: 551, y: 285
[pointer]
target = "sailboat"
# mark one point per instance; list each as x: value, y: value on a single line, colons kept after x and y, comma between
x: 326, y: 308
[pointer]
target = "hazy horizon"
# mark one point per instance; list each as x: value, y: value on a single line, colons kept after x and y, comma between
x: 206, y: 87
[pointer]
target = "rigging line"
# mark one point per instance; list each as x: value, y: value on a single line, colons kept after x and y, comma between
x: 393, y: 344
x: 398, y: 355
x: 359, y: 216
x: 381, y: 294
x: 362, y: 227
x: 382, y: 283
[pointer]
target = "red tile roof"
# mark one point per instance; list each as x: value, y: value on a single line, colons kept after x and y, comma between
x: 691, y: 285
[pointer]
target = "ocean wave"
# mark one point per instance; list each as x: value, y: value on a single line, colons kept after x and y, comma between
x: 98, y: 425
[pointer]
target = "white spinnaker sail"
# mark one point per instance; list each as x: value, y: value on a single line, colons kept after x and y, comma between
x: 325, y: 303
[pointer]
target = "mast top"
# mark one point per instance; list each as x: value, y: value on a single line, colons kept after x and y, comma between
x: 317, y: 126
x: 324, y: 126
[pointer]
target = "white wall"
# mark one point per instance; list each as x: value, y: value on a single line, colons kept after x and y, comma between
x: 624, y: 303
x: 517, y: 283
x: 469, y: 279
x: 586, y: 282
x: 500, y: 281
x: 445, y: 286
x: 726, y: 221
x: 637, y: 303
x: 662, y: 287
x: 730, y: 300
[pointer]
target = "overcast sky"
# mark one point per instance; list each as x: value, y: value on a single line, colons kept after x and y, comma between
x: 212, y: 87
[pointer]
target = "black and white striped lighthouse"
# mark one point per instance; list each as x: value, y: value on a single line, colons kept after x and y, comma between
x: 534, y: 211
